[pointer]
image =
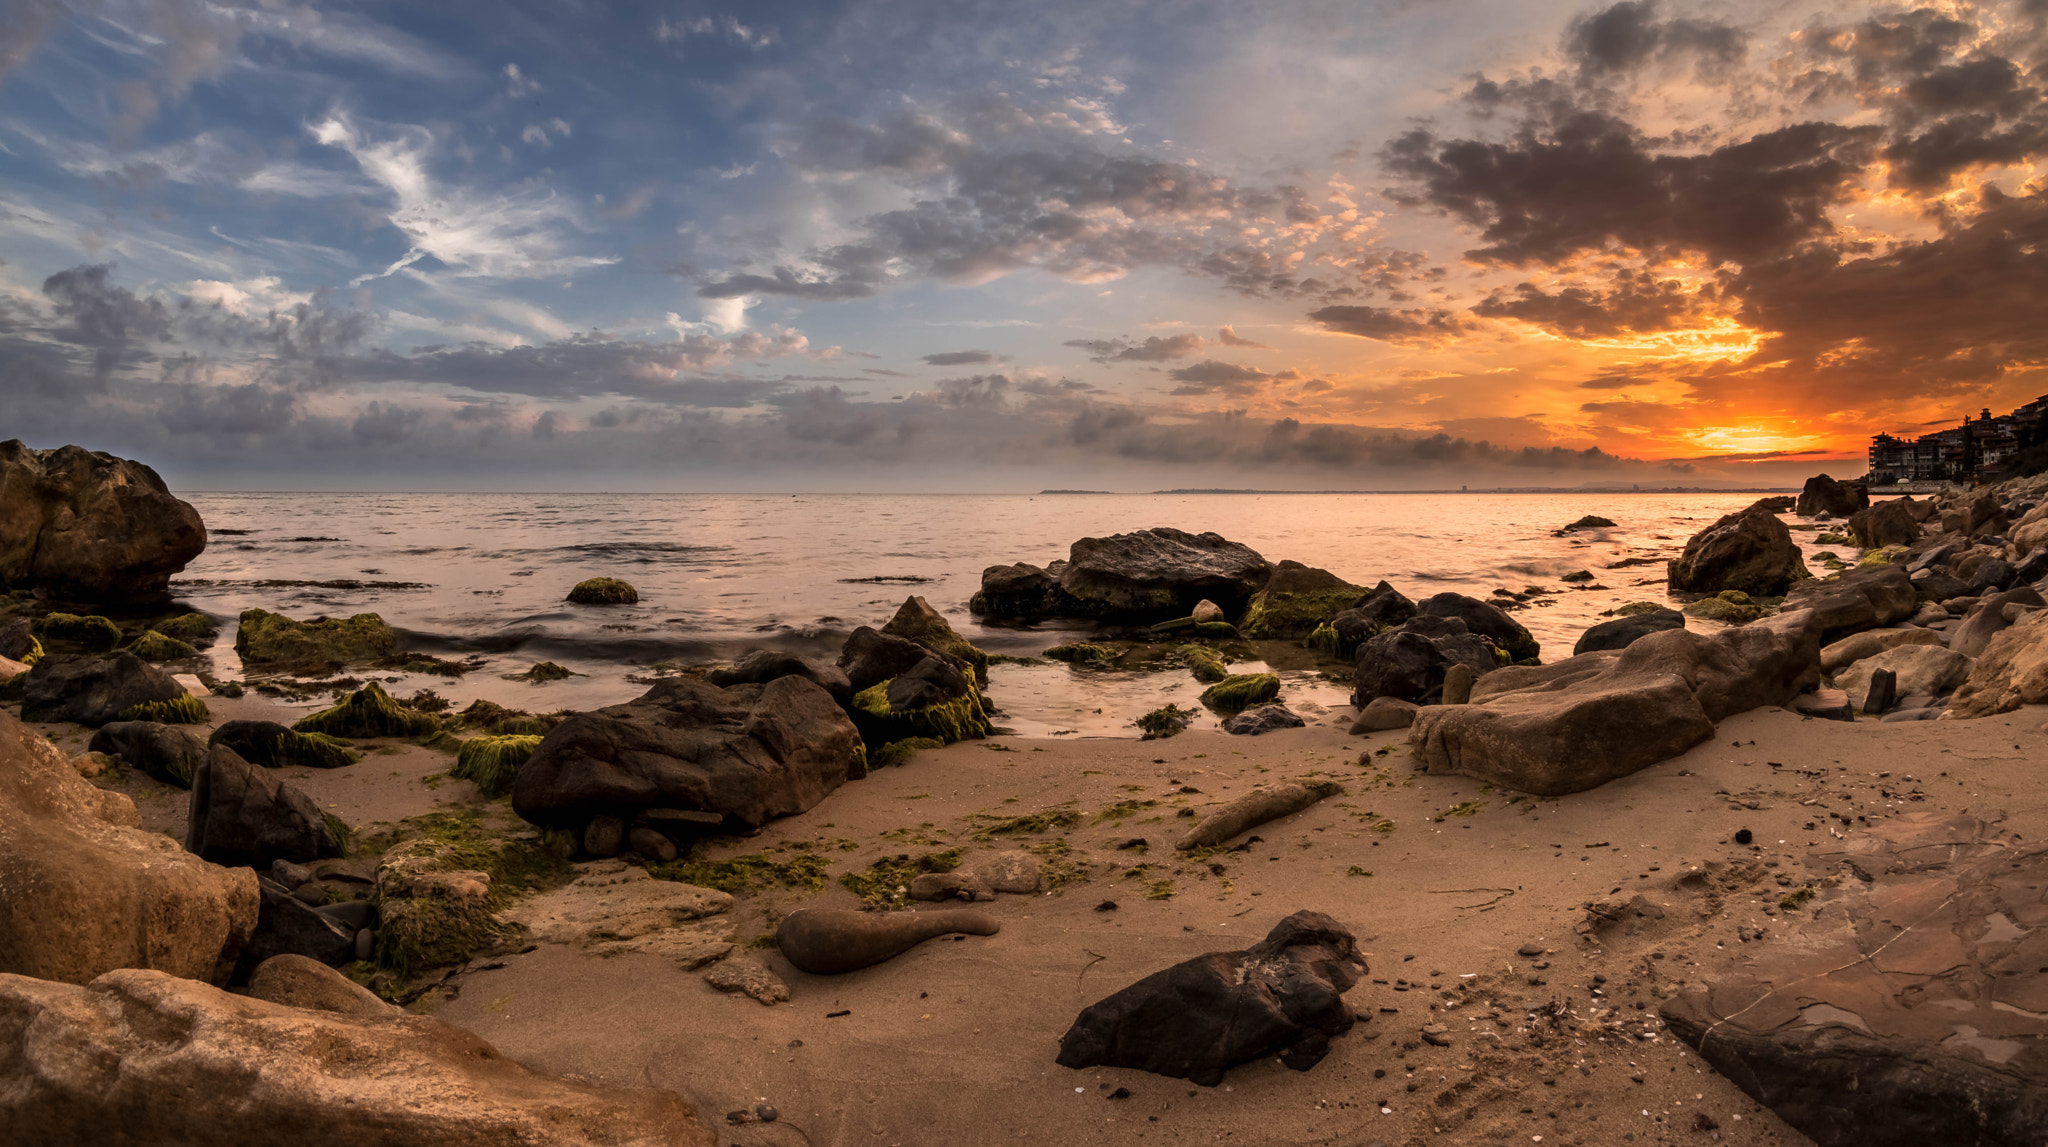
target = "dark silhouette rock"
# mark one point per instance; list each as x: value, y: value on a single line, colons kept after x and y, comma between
x: 749, y: 753
x: 1993, y: 575
x: 765, y: 665
x: 1886, y: 523
x: 241, y: 815
x: 1775, y: 504
x: 274, y: 746
x: 90, y: 526
x: 1882, y: 693
x: 284, y: 926
x: 1263, y: 719
x: 1749, y: 550
x: 1017, y: 591
x: 1824, y: 495
x: 1623, y: 632
x: 17, y: 638
x: 1484, y: 619
x: 1199, y: 1018
x: 94, y: 690
x: 1157, y: 574
x: 1409, y: 663
x: 167, y: 753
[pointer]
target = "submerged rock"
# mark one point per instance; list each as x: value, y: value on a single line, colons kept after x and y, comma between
x: 1749, y: 550
x: 1197, y: 1019
x: 603, y: 591
x: 84, y: 524
x: 96, y: 690
x: 266, y: 640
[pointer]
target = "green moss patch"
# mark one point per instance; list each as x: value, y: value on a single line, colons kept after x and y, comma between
x: 541, y: 673
x: 740, y: 875
x: 1635, y: 608
x: 273, y: 640
x: 154, y: 646
x: 603, y: 591
x: 1204, y: 663
x: 948, y: 721
x: 369, y: 712
x: 1165, y: 722
x: 184, y: 709
x: 491, y: 763
x: 886, y: 882
x: 1295, y: 615
x: 91, y: 632
x: 899, y: 752
x: 1045, y: 821
x: 492, y: 717
x: 1084, y: 653
x: 186, y: 627
x: 431, y: 913
x: 1238, y: 692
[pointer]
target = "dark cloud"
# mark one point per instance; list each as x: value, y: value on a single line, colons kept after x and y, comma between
x: 1630, y: 301
x: 960, y: 358
x: 591, y: 365
x: 1213, y: 377
x: 1388, y: 325
x: 1153, y: 349
x: 983, y: 391
x: 1629, y: 35
x: 229, y: 412
x: 384, y: 424
x: 109, y: 321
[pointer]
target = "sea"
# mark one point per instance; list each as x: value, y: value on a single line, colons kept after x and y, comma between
x: 484, y: 576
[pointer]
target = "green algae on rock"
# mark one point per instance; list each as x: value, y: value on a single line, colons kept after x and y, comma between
x: 542, y: 673
x: 186, y: 627
x: 1295, y: 601
x: 957, y: 719
x: 1205, y: 663
x: 1083, y: 653
x: 273, y: 746
x: 492, y: 762
x: 1241, y: 691
x: 885, y: 883
x: 899, y: 752
x: 91, y: 632
x: 155, y: 646
x: 1165, y: 722
x: 184, y: 709
x: 492, y: 717
x: 369, y: 712
x: 603, y: 591
x: 1637, y: 607
x: 740, y: 875
x: 1731, y: 606
x: 438, y: 893
x: 272, y: 640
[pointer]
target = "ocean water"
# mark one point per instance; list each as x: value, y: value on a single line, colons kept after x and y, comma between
x: 485, y: 574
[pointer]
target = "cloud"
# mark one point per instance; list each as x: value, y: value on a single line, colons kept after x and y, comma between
x: 1214, y: 377
x: 1629, y: 301
x: 1628, y: 36
x: 960, y: 358
x: 1227, y: 336
x: 1387, y: 325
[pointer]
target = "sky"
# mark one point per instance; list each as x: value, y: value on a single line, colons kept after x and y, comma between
x: 962, y: 246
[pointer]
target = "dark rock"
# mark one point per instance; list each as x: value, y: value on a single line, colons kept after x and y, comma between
x: 1995, y: 574
x: 1409, y: 663
x: 1897, y: 992
x: 931, y: 681
x: 241, y: 815
x: 1856, y: 600
x: 90, y: 526
x: 748, y: 752
x: 871, y: 657
x: 917, y: 621
x: 1623, y: 632
x: 1985, y: 516
x: 605, y: 835
x: 1382, y: 609
x: 1263, y: 719
x: 1590, y: 522
x: 1885, y: 524
x: 1883, y: 692
x: 1933, y: 585
x: 167, y: 753
x: 765, y: 665
x: 1019, y: 591
x: 1295, y: 600
x: 1749, y: 550
x: 1157, y: 574
x: 93, y: 690
x: 1933, y: 559
x: 1201, y: 1017
x: 1383, y: 713
x: 1825, y: 495
x: 273, y: 746
x: 1484, y: 619
x: 934, y: 698
x: 286, y: 926
x: 1776, y: 504
x: 1578, y: 576
x: 1974, y: 635
x: 17, y: 638
x: 351, y: 914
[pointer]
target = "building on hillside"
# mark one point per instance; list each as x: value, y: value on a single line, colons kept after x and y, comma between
x: 1978, y: 449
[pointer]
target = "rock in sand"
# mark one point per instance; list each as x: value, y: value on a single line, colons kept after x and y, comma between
x: 1262, y: 804
x: 829, y: 941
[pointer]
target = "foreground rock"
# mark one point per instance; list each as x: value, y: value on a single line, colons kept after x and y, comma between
x: 1410, y: 663
x: 1824, y: 495
x: 917, y: 621
x: 84, y: 891
x: 1589, y: 719
x: 1857, y: 600
x: 96, y: 1064
x: 1915, y: 989
x: 241, y: 815
x: 748, y: 753
x: 1749, y: 550
x: 167, y: 753
x: 96, y: 690
x: 84, y: 524
x: 2013, y: 671
x: 1283, y: 996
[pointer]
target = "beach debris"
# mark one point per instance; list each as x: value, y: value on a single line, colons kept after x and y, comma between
x: 95, y: 690
x: 1262, y: 804
x: 603, y: 591
x: 828, y: 941
x: 749, y: 977
x: 272, y: 641
x: 1383, y: 713
x: 241, y: 815
x: 1199, y: 1018
x: 86, y: 525
x: 273, y: 746
x: 1263, y: 719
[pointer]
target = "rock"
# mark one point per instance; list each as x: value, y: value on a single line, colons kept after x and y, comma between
x: 615, y: 908
x: 932, y: 699
x: 1199, y: 1018
x: 1914, y: 987
x: 167, y: 753
x: 1156, y: 574
x: 1485, y: 620
x: 1383, y: 713
x: 604, y: 836
x: 1730, y: 607
x: 1168, y: 720
x: 748, y: 977
x: 2030, y: 533
x: 749, y: 753
x: 1241, y: 691
x: 1884, y: 524
x: 917, y: 621
x: 950, y: 886
x: 84, y: 891
x: 1262, y: 804
x: 273, y: 746
x: 1295, y: 600
x: 2012, y: 671
x: 300, y: 982
x: 241, y: 815
x: 1870, y: 643
x: 1825, y: 705
x: 1589, y: 522
x: 94, y: 690
x: 1206, y: 610
x: 765, y: 665
x: 154, y: 647
x: 1557, y: 729
x: 1857, y: 600
x: 1263, y: 719
x: 1457, y: 684
x: 1383, y: 608
x: 1882, y: 692
x: 18, y: 640
x: 1935, y: 586
x: 829, y: 941
x: 603, y: 591
x: 1993, y: 575
x: 650, y: 844
x: 1019, y: 591
x: 1409, y: 663
x: 1011, y: 870
x: 86, y: 525
x: 1986, y: 515
x: 287, y: 925
x: 95, y: 1064
x: 1578, y: 576
x: 368, y: 712
x: 1749, y: 550
x: 272, y: 641
x: 1824, y: 495
x: 1935, y: 558
x: 1974, y: 636
x: 1776, y: 504
x: 1624, y: 631
x: 871, y: 657
x: 1927, y: 670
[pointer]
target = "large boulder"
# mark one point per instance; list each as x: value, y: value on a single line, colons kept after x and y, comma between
x: 275, y: 746
x: 2011, y: 672
x: 765, y: 665
x: 2030, y: 533
x: 1917, y: 670
x: 1824, y: 495
x: 1749, y: 550
x: 1379, y: 610
x: 1910, y: 1009
x: 272, y: 641
x: 1589, y: 719
x: 1295, y: 600
x: 1986, y: 515
x: 871, y: 657
x: 167, y: 753
x: 1158, y: 574
x: 1884, y: 524
x: 1409, y: 663
x: 88, y: 525
x: 1859, y: 599
x: 917, y: 621
x: 241, y: 815
x: 141, y: 1057
x: 748, y: 753
x: 935, y: 698
x: 1283, y: 996
x: 1019, y: 591
x: 1992, y: 617
x: 1486, y: 620
x: 95, y: 690
x: 1623, y: 632
x: 83, y: 890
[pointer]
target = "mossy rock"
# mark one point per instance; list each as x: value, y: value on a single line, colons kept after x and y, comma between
x: 494, y: 718
x: 1639, y: 607
x: 1834, y: 538
x: 275, y: 747
x: 155, y: 646
x: 369, y: 712
x: 1084, y: 653
x: 439, y: 892
x: 959, y: 719
x: 192, y: 627
x: 1241, y: 691
x: 1205, y: 663
x: 1723, y: 609
x: 899, y: 752
x: 35, y: 652
x: 603, y: 591
x: 1881, y: 556
x: 917, y: 621
x: 542, y: 673
x: 491, y: 763
x: 184, y: 709
x: 91, y: 632
x: 272, y: 640
x: 1165, y: 722
x: 1290, y: 616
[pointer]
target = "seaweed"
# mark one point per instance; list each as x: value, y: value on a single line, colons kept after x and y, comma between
x: 432, y: 924
x: 92, y: 633
x: 369, y: 712
x: 184, y: 709
x: 1205, y: 663
x: 1241, y: 691
x: 491, y: 763
x: 154, y: 646
x: 899, y: 752
x: 886, y: 882
x: 743, y: 874
x: 542, y: 673
x: 1083, y: 653
x: 272, y: 639
x: 1165, y: 722
x: 603, y: 591
x: 495, y: 718
x: 1044, y: 821
x: 186, y: 627
x: 953, y: 720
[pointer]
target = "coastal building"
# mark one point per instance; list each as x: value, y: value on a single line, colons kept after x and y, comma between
x: 1978, y: 449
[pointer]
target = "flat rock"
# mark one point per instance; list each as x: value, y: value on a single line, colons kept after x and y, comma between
x: 1383, y: 713
x: 1923, y: 669
x: 1872, y: 642
x: 748, y: 977
x: 617, y: 908
x: 1011, y: 870
x: 1826, y: 704
x: 1263, y: 719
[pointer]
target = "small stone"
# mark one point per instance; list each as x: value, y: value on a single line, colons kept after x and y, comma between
x: 1744, y: 836
x: 751, y: 978
x: 1531, y: 949
x: 1106, y: 906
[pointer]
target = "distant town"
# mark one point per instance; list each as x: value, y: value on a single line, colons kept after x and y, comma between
x: 1984, y: 449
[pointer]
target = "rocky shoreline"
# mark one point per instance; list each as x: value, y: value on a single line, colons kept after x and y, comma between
x: 684, y: 837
